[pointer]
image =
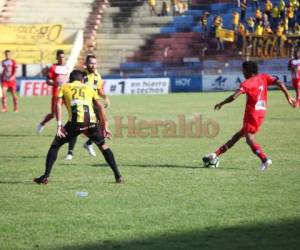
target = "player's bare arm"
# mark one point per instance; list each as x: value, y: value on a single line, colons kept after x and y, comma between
x: 282, y: 87
x: 60, y: 129
x: 102, y: 119
x: 105, y: 97
x: 229, y: 99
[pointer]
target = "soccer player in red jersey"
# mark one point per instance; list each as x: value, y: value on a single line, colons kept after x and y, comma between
x: 294, y: 67
x: 8, y: 78
x: 256, y: 88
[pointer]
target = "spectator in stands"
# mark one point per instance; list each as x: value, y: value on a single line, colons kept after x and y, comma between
x: 297, y: 29
x: 182, y: 7
x: 290, y: 14
x: 235, y: 20
x: 259, y: 29
x: 152, y: 4
x: 265, y: 20
x: 8, y: 79
x: 218, y: 23
x: 175, y: 7
x: 165, y: 9
x: 275, y: 17
x: 204, y: 21
x: 280, y: 33
x: 240, y: 35
x: 268, y: 8
x: 281, y: 8
x: 258, y: 16
x: 243, y: 10
x: 251, y: 24
x: 267, y: 31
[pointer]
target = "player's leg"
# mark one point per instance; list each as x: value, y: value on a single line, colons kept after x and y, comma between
x: 95, y: 135
x: 235, y: 138
x: 53, y: 151
x: 298, y: 96
x: 88, y: 145
x: 48, y: 117
x: 256, y: 149
x: 221, y: 150
x: 4, y: 98
x: 15, y: 97
x: 71, y: 147
x: 110, y: 159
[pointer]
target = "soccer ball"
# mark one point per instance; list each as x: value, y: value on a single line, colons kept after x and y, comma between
x: 211, y: 163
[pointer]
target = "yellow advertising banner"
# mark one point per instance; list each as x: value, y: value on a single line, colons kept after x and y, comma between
x: 31, y: 34
x: 226, y: 35
x: 34, y: 54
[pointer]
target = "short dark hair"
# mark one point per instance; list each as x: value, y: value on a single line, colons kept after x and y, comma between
x: 91, y: 56
x: 76, y: 75
x: 59, y: 52
x: 7, y: 51
x: 251, y: 67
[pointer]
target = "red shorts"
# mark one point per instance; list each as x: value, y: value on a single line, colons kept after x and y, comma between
x: 296, y: 83
x: 10, y: 85
x: 252, y: 124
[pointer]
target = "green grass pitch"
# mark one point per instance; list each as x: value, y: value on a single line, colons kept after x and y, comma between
x: 168, y: 201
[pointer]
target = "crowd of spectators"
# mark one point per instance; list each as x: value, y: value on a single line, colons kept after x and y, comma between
x: 171, y: 7
x: 279, y: 19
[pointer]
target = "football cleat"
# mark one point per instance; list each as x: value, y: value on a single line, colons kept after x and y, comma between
x: 264, y: 166
x: 41, y: 180
x: 120, y: 180
x: 90, y: 149
x: 39, y: 128
x: 69, y: 157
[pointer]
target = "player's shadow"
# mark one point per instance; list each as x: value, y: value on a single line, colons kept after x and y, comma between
x: 148, y: 166
x: 24, y: 135
x: 22, y: 156
x: 18, y: 182
x: 274, y: 235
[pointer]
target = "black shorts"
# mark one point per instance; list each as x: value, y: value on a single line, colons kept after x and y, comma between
x: 92, y: 131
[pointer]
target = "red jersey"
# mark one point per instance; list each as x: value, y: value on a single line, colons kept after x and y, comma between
x: 59, y: 74
x: 294, y: 66
x: 9, y: 69
x: 256, y: 89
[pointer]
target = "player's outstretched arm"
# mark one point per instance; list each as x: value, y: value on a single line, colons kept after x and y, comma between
x: 282, y: 87
x: 105, y: 97
x: 102, y: 119
x: 229, y: 99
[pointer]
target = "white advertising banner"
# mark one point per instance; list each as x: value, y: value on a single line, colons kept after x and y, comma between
x: 225, y: 82
x: 221, y: 82
x: 136, y: 86
x: 35, y: 87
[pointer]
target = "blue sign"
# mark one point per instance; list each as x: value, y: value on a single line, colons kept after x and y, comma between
x: 186, y: 84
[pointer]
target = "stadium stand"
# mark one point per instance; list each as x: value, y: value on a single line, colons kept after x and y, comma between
x: 72, y: 15
x: 7, y: 8
x: 173, y: 45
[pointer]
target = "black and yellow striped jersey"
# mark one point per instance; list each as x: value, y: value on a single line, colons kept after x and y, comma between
x: 78, y: 98
x: 93, y: 79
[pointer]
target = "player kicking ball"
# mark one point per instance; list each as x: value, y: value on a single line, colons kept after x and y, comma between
x: 256, y: 88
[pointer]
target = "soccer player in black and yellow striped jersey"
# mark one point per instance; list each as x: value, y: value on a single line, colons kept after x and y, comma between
x: 93, y: 79
x: 79, y: 99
